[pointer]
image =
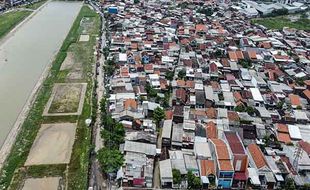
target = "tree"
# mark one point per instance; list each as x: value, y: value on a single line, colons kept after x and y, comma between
x: 240, y: 108
x: 250, y: 110
x: 289, y: 184
x: 182, y: 74
x: 193, y: 181
x: 177, y: 178
x: 110, y: 159
x: 245, y: 63
x: 169, y: 75
x: 136, y: 1
x: 158, y: 115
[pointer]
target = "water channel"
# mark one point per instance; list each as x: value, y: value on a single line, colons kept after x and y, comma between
x: 26, y: 52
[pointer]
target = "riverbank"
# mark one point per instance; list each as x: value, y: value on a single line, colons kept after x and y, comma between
x: 75, y: 173
x: 10, y: 139
x: 13, y: 18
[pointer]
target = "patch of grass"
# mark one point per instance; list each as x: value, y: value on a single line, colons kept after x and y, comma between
x: 281, y: 21
x: 78, y: 167
x: 9, y: 20
x: 35, y: 5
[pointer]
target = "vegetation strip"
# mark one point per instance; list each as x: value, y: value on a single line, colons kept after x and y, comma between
x: 78, y: 167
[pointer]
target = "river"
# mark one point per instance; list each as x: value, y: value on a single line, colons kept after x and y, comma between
x: 25, y: 54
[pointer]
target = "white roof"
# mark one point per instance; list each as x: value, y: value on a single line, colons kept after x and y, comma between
x: 202, y: 150
x: 253, y: 176
x: 122, y: 57
x: 138, y: 147
x: 294, y: 132
x: 166, y: 133
x: 256, y: 94
x: 165, y: 169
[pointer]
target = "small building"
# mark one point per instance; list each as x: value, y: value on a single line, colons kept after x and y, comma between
x: 165, y: 169
x: 166, y: 133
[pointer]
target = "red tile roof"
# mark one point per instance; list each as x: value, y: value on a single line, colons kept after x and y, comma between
x: 282, y: 128
x: 207, y: 167
x: 234, y: 142
x: 295, y: 100
x: 211, y: 130
x: 284, y: 137
x: 305, y: 146
x: 257, y: 156
x: 221, y: 149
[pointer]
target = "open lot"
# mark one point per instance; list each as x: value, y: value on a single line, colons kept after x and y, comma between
x: 53, y: 144
x: 283, y: 21
x: 68, y: 62
x: 48, y: 183
x: 66, y: 99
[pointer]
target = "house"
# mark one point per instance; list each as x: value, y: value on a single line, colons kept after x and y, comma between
x: 165, y: 169
x: 257, y: 160
x: 240, y: 158
x: 166, y: 133
x: 223, y: 163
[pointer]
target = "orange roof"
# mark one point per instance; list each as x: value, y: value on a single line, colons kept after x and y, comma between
x: 282, y: 128
x: 169, y: 114
x: 221, y: 149
x: 233, y: 116
x: 148, y: 67
x: 190, y: 84
x: 307, y: 93
x: 211, y: 113
x: 180, y: 83
x: 124, y: 72
x: 294, y: 99
x: 211, y: 130
x: 130, y: 103
x: 232, y: 56
x: 307, y: 82
x: 284, y: 137
x: 237, y: 96
x: 225, y: 165
x: 200, y: 27
x: 252, y: 54
x: 257, y: 156
x: 207, y: 167
x: 239, y: 55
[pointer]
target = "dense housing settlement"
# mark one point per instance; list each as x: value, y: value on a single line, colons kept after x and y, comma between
x: 207, y: 96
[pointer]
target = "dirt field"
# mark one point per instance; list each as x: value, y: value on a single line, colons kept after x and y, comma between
x: 68, y: 62
x: 87, y: 25
x: 66, y: 99
x: 48, y: 183
x: 53, y: 144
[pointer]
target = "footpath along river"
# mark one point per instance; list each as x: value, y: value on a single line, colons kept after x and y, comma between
x: 25, y: 55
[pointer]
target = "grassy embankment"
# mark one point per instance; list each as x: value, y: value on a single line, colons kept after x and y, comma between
x: 9, y: 20
x: 75, y: 173
x: 282, y: 21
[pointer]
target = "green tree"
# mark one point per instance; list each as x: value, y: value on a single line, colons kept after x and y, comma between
x: 182, y: 74
x: 240, y: 108
x: 110, y: 159
x: 289, y: 184
x: 306, y: 186
x: 169, y: 75
x: 177, y: 178
x: 158, y: 115
x: 193, y: 181
x: 136, y: 1
x: 250, y: 110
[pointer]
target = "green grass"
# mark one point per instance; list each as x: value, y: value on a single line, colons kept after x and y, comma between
x: 281, y: 21
x: 35, y: 5
x: 9, y: 20
x: 78, y: 167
